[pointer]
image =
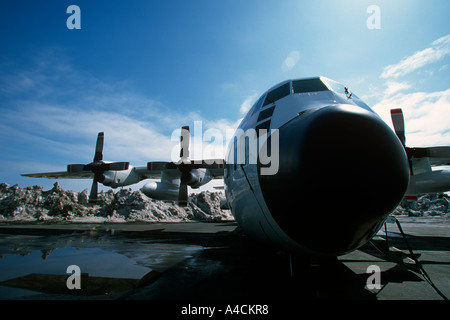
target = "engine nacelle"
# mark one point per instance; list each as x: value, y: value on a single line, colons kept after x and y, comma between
x: 161, y: 191
x: 169, y: 188
x: 432, y: 182
x: 108, y: 178
x: 199, y: 177
x: 121, y: 178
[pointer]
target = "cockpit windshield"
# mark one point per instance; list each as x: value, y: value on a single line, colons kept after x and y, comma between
x: 311, y: 85
x: 308, y: 85
x: 277, y: 94
x: 340, y: 88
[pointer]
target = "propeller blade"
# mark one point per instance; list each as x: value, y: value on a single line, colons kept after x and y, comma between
x: 183, y: 195
x: 99, y: 147
x: 399, y: 124
x: 93, y: 196
x: 185, y: 177
x: 184, y: 142
x: 411, y: 194
x: 117, y: 166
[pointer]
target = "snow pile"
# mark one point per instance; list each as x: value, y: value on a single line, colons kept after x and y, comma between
x: 55, y: 205
x: 34, y: 204
x: 426, y: 205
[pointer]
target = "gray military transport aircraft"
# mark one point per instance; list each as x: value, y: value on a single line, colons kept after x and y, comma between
x: 336, y: 169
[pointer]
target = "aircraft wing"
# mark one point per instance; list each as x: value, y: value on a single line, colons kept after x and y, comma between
x: 438, y: 156
x: 100, y: 170
x: 151, y: 173
x: 61, y: 175
x: 154, y: 169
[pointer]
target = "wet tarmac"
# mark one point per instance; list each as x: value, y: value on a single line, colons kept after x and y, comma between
x: 214, y: 261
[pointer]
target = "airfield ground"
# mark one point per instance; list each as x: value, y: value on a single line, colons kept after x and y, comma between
x: 210, y: 261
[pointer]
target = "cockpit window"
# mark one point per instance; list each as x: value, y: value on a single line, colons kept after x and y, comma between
x: 340, y: 88
x: 311, y: 85
x: 336, y: 86
x: 277, y: 94
x: 258, y: 105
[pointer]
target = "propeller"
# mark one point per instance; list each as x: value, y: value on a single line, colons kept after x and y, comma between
x: 436, y: 155
x: 430, y: 152
x: 97, y: 167
x: 399, y: 124
x: 185, y: 166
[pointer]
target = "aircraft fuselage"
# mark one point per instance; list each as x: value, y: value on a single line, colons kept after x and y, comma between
x: 340, y: 169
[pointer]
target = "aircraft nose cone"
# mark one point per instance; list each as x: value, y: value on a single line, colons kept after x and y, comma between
x: 342, y: 170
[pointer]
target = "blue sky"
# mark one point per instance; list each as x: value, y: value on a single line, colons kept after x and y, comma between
x: 138, y: 70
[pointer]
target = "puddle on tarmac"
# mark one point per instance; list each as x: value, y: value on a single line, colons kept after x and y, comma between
x: 108, y: 264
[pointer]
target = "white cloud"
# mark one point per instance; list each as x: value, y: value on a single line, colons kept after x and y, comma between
x: 426, y: 116
x: 291, y: 61
x: 439, y: 49
x: 215, y: 138
x: 72, y: 132
x: 59, y: 111
x: 248, y: 103
x: 394, y: 87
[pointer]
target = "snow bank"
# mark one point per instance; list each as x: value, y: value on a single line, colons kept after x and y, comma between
x: 55, y: 205
x: 427, y: 205
x: 34, y: 204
